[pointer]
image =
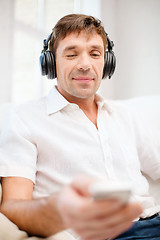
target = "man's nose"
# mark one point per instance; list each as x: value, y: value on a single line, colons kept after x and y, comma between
x: 84, y: 62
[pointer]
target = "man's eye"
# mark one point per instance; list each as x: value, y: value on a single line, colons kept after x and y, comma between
x: 95, y: 54
x: 71, y: 55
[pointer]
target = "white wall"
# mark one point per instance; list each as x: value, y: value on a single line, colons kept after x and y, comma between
x: 134, y: 25
x: 23, y: 26
x: 6, y: 49
x: 90, y: 7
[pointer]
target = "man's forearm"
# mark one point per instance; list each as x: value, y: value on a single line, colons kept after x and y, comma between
x: 37, y: 217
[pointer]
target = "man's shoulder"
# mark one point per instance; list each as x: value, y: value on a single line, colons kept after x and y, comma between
x: 31, y: 106
x: 116, y: 106
x: 27, y: 111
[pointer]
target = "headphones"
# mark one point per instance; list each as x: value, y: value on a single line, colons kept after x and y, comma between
x: 48, y: 63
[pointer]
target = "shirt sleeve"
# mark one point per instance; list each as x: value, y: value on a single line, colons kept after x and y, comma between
x: 18, y: 152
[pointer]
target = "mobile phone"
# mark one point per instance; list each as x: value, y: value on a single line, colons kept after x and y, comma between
x: 111, y: 190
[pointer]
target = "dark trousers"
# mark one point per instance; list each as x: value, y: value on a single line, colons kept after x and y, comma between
x: 143, y: 229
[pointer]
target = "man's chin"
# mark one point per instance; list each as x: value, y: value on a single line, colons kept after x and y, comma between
x: 84, y: 94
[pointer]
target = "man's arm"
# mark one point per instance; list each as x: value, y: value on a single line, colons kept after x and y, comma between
x: 37, y: 217
x: 71, y: 208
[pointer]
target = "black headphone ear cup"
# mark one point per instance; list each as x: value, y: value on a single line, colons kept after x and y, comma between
x: 43, y: 64
x: 48, y: 64
x: 113, y: 65
x: 109, y: 64
x: 51, y: 65
x: 106, y: 65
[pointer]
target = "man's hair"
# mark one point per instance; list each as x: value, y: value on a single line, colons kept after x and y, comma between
x: 75, y: 23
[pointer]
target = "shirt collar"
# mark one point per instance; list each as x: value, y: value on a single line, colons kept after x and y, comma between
x: 56, y: 102
x: 102, y: 103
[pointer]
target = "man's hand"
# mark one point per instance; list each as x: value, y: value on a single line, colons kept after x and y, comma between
x: 91, y: 219
x: 72, y: 208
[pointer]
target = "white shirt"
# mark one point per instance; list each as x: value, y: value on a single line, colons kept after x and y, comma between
x: 51, y: 140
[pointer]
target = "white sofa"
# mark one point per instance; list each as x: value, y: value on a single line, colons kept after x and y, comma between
x: 148, y: 109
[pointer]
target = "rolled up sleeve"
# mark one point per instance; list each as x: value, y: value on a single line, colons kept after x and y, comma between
x: 18, y: 152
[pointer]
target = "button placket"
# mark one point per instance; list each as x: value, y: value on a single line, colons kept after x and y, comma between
x: 103, y: 136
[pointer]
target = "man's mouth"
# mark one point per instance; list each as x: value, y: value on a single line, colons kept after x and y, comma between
x: 83, y: 79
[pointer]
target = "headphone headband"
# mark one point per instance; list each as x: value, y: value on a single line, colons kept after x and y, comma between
x: 45, y: 42
x: 110, y: 43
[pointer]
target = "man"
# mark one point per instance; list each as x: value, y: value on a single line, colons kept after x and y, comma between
x: 54, y: 148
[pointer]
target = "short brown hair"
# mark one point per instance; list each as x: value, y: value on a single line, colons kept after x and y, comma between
x: 76, y: 23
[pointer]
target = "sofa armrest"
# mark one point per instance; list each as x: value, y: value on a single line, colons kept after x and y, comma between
x: 9, y: 230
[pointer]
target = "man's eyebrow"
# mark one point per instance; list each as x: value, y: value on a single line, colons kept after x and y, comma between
x: 97, y: 47
x: 73, y: 47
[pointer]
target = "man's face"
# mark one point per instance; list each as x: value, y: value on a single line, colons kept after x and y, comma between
x: 79, y: 65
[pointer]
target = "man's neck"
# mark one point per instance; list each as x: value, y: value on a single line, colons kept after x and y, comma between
x: 89, y: 107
